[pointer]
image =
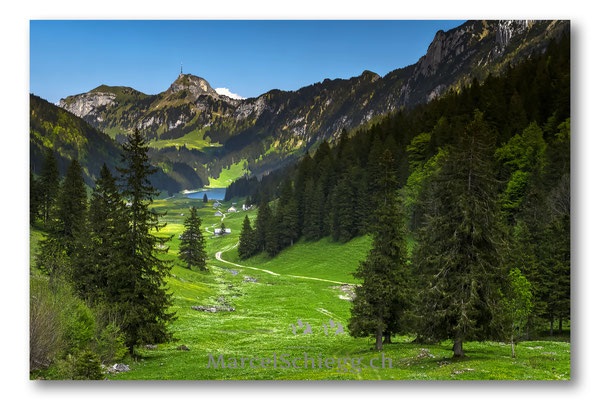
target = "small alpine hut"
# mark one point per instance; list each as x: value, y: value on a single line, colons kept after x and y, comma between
x: 218, y: 214
x: 232, y: 209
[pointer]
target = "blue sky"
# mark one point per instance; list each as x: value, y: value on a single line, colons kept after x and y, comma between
x: 247, y: 57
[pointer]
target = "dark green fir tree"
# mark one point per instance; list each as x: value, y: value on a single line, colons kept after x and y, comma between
x: 71, y: 209
x: 247, y: 246
x: 143, y: 300
x: 383, y: 301
x: 191, y: 249
x: 461, y: 245
x: 262, y: 224
x: 94, y: 275
x: 48, y: 185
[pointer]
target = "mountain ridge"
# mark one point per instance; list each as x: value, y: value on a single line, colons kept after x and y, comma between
x: 278, y: 124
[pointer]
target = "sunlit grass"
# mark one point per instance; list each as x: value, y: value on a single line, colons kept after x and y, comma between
x: 260, y: 324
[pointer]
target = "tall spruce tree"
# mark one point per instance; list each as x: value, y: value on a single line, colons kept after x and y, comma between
x: 287, y: 215
x: 273, y: 235
x: 383, y: 301
x: 34, y: 198
x: 247, y: 245
x: 143, y: 299
x: 71, y: 209
x: 263, y: 221
x: 94, y: 275
x: 461, y: 245
x: 49, y: 184
x: 66, y: 238
x: 311, y: 229
x: 191, y: 249
x: 343, y: 216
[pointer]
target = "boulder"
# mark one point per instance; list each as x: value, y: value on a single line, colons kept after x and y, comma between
x: 119, y: 368
x: 183, y: 347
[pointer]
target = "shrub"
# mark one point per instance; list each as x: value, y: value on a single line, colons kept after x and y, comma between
x: 110, y: 344
x: 79, y: 326
x: 45, y: 339
x: 83, y: 366
x: 87, y: 367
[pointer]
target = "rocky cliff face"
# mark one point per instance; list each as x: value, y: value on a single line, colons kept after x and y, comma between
x: 320, y: 111
x: 473, y: 50
x: 89, y: 104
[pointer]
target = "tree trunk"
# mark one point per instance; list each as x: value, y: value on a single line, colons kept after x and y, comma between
x: 551, y: 326
x: 458, y: 348
x: 512, y: 345
x: 560, y: 325
x: 378, y: 344
x: 387, y: 338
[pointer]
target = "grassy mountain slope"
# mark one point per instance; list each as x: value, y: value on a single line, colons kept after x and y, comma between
x: 72, y: 138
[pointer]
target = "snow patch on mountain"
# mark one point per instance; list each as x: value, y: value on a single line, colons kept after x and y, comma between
x: 226, y: 92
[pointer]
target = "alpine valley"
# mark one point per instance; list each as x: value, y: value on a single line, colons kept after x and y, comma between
x: 197, y: 134
x: 412, y: 226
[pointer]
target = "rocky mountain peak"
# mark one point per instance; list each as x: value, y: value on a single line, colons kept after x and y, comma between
x: 461, y: 42
x: 508, y: 29
x: 369, y: 75
x: 194, y: 84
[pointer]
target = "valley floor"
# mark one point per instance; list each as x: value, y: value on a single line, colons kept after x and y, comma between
x: 302, y: 283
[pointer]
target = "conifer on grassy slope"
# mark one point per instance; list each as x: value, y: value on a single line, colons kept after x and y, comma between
x: 142, y: 298
x: 94, y: 276
x: 191, y: 249
x: 461, y: 245
x: 383, y: 300
x: 48, y: 184
x: 247, y: 244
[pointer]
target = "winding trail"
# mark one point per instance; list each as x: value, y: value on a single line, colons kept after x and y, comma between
x: 218, y: 257
x: 206, y: 228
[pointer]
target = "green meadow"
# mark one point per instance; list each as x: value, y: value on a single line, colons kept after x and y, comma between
x: 301, y: 283
x: 192, y: 140
x: 229, y: 174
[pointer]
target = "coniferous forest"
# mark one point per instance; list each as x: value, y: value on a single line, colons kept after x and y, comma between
x: 100, y: 260
x: 478, y: 180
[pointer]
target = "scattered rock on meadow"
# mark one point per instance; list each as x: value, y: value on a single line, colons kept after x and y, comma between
x: 183, y: 347
x: 425, y: 353
x: 348, y: 291
x: 462, y: 371
x: 249, y: 279
x: 151, y: 347
x: 119, y: 368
